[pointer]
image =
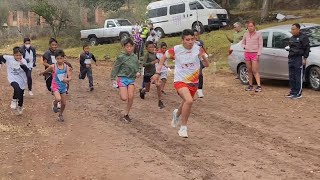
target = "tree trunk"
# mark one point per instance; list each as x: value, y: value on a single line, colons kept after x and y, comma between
x: 226, y: 5
x: 265, y: 10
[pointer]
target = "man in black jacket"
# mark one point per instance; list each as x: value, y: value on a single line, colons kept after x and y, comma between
x: 29, y: 54
x: 298, y: 54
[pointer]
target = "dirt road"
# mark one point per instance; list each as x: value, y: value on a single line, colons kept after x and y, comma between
x: 233, y: 134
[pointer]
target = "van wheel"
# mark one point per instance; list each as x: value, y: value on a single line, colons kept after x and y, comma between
x: 314, y: 78
x: 198, y: 26
x: 93, y: 41
x: 160, y: 32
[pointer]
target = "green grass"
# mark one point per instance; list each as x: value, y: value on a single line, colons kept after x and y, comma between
x: 215, y: 42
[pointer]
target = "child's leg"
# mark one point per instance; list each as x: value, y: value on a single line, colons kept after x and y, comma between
x: 57, y: 98
x: 185, y: 94
x: 29, y: 77
x: 163, y: 84
x: 130, y: 96
x: 158, y: 85
x: 16, y: 88
x: 123, y: 93
x: 49, y: 82
x: 89, y: 74
x: 63, y: 102
x: 20, y: 97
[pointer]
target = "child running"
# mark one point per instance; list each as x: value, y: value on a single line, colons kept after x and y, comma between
x: 126, y: 69
x: 164, y: 70
x: 86, y: 59
x: 186, y: 76
x: 30, y: 55
x: 48, y: 59
x: 150, y: 59
x: 61, y: 75
x: 17, y: 76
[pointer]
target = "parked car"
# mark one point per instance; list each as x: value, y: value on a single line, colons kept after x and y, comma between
x: 114, y: 29
x: 169, y: 17
x: 274, y: 57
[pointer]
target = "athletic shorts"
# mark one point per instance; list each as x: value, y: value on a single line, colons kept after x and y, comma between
x: 250, y: 56
x: 125, y: 82
x: 61, y: 90
x: 147, y: 79
x: 163, y: 75
x: 192, y: 87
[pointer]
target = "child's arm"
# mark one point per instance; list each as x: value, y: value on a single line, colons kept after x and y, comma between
x: 34, y: 57
x: 116, y: 68
x: 82, y: 59
x: 145, y: 63
x: 2, y: 60
x: 94, y: 59
x: 49, y: 69
x: 24, y: 66
x: 68, y: 78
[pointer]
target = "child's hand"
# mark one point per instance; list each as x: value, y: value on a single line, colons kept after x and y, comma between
x: 115, y: 84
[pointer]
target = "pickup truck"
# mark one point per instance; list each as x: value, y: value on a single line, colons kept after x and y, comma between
x: 114, y: 29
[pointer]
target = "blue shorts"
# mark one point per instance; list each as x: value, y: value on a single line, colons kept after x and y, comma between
x: 125, y: 82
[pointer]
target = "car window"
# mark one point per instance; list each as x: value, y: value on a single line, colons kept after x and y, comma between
x: 123, y: 22
x: 177, y: 9
x: 280, y: 40
x: 157, y: 12
x: 265, y: 36
x: 314, y: 35
x: 195, y: 5
x: 110, y: 24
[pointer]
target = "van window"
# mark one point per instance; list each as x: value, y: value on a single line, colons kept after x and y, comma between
x: 265, y: 37
x: 210, y: 4
x: 152, y: 13
x: 177, y: 9
x: 195, y: 5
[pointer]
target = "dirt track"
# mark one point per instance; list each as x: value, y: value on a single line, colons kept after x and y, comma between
x: 233, y: 134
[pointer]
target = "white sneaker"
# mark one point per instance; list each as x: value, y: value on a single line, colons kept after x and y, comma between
x: 30, y: 93
x: 175, y: 119
x: 24, y: 94
x: 183, y: 132
x: 59, y: 105
x: 200, y: 93
x: 14, y: 104
x: 20, y: 110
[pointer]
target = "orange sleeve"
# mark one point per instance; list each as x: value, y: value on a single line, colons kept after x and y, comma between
x: 170, y: 53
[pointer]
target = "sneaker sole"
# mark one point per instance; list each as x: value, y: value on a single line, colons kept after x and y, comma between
x: 182, y: 135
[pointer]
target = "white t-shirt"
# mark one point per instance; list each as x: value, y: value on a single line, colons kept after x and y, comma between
x: 164, y: 68
x: 187, y: 63
x: 31, y: 60
x: 15, y: 72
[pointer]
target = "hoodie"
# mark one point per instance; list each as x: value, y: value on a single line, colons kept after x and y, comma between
x: 125, y: 66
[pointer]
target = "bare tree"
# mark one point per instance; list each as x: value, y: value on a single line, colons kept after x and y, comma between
x: 265, y: 10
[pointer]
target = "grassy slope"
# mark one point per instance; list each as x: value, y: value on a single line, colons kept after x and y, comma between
x: 215, y: 42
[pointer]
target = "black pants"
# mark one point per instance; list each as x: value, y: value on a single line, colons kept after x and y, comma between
x: 201, y: 77
x: 48, y: 79
x: 296, y: 75
x: 17, y: 93
x: 84, y: 71
x: 29, y: 77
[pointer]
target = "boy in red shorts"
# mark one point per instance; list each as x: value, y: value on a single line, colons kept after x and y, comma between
x: 186, y: 76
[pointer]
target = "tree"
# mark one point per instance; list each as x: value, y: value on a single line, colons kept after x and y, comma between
x: 265, y: 10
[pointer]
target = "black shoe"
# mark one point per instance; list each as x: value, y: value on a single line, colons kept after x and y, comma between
x: 258, y: 89
x: 161, y: 105
x: 289, y: 96
x: 127, y: 119
x: 142, y: 95
x: 91, y: 88
x: 249, y: 88
x: 299, y: 96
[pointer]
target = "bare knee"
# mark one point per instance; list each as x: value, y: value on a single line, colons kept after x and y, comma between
x: 188, y: 102
x: 124, y: 98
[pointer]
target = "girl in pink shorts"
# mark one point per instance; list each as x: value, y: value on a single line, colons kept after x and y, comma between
x: 252, y: 43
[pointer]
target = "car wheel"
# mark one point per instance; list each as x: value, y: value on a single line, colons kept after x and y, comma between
x: 314, y: 78
x: 198, y: 26
x: 124, y: 36
x: 93, y: 41
x: 160, y: 32
x: 243, y: 74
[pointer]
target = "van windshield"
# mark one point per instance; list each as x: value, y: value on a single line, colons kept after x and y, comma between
x: 210, y: 4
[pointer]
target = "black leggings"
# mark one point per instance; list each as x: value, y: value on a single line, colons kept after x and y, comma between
x: 48, y: 82
x: 17, y: 93
x: 201, y: 77
x: 29, y: 76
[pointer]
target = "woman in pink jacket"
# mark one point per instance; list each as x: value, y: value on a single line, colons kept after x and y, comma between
x: 252, y: 44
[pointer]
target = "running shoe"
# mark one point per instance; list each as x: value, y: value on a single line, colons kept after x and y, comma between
x: 183, y: 132
x: 289, y: 96
x: 200, y: 93
x: 175, y: 119
x: 299, y: 96
x: 258, y: 89
x: 14, y: 104
x: 161, y: 105
x: 91, y: 88
x: 60, y: 118
x: 127, y: 119
x: 20, y: 110
x: 55, y: 108
x: 249, y: 88
x: 30, y: 93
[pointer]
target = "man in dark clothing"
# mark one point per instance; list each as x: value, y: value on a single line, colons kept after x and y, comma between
x: 298, y: 55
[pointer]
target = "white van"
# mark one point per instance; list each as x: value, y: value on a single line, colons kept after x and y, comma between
x: 168, y: 16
